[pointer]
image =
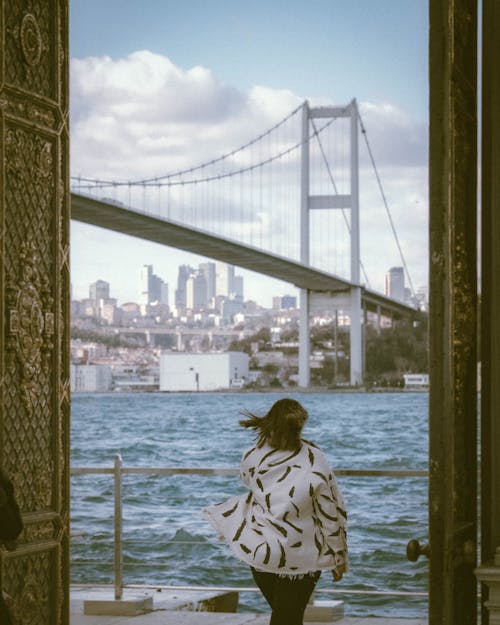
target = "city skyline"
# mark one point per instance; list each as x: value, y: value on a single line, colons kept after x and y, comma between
x: 165, y: 293
x: 219, y: 281
x: 148, y: 95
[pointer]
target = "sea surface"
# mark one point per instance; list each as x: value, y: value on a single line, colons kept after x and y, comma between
x: 166, y: 541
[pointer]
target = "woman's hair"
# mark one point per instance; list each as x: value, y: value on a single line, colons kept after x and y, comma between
x: 280, y: 427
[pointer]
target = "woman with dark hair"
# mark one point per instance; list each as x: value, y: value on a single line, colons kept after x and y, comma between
x: 291, y: 525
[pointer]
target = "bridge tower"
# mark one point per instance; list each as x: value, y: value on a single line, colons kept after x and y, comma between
x: 349, y: 202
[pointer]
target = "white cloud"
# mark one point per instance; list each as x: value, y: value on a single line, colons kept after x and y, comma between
x: 142, y: 116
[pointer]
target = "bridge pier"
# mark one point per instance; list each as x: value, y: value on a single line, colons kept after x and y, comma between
x: 356, y: 338
x: 312, y: 301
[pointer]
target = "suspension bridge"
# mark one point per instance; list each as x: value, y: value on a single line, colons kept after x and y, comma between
x: 284, y: 204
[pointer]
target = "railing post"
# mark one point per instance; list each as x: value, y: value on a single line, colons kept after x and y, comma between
x: 118, y: 527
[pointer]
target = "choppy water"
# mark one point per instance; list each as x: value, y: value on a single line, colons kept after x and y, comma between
x: 166, y: 541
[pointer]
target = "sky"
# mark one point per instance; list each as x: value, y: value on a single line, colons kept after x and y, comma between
x: 149, y: 78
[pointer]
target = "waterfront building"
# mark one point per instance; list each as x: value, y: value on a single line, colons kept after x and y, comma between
x: 395, y: 283
x: 84, y: 352
x: 202, y: 372
x: 135, y: 377
x: 90, y: 378
x: 416, y: 381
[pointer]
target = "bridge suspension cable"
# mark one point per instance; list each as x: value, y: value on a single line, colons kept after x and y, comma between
x: 166, y: 179
x: 386, y: 204
x: 187, y: 193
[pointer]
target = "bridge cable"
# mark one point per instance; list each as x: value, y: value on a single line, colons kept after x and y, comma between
x: 190, y: 170
x: 332, y: 180
x: 393, y: 227
x: 94, y: 183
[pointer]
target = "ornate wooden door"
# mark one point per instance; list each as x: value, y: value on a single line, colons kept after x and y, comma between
x: 34, y: 285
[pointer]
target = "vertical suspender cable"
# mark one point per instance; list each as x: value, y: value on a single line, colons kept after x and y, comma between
x: 386, y: 205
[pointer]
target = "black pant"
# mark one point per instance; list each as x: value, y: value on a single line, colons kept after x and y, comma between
x: 287, y: 597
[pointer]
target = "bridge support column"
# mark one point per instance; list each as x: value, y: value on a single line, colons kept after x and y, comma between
x: 379, y: 321
x: 304, y: 341
x: 356, y: 339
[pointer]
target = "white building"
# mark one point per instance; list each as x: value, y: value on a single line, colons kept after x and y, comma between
x: 202, y: 372
x: 90, y: 378
x: 416, y: 380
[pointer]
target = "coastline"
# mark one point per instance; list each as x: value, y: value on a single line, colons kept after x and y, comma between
x: 269, y: 389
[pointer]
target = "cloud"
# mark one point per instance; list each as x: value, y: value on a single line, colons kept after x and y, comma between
x: 396, y: 138
x: 142, y: 116
x: 151, y: 116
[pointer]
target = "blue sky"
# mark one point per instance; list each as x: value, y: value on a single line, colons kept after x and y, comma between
x: 330, y: 50
x: 370, y: 49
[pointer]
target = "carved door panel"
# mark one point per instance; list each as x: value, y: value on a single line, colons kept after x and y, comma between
x: 34, y: 284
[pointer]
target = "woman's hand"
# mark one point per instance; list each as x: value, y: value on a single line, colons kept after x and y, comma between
x: 337, y: 574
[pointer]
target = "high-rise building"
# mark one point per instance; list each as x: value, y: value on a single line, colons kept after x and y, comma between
x: 237, y: 291
x: 99, y: 290
x: 153, y: 288
x: 224, y: 278
x: 395, y: 283
x: 196, y: 291
x: 226, y: 283
x: 208, y: 270
x: 284, y: 302
x: 182, y: 277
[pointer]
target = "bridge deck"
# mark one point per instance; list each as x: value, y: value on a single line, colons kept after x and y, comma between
x: 123, y: 220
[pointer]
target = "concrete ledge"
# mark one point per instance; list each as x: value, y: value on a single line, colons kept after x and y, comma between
x: 131, y: 604
x: 197, y: 601
x: 326, y: 611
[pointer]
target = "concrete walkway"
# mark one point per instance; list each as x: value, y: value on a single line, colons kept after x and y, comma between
x: 182, y: 609
x: 218, y: 618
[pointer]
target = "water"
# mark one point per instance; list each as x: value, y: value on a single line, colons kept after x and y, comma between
x: 166, y: 541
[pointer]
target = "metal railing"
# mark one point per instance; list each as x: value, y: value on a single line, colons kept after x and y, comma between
x: 118, y: 470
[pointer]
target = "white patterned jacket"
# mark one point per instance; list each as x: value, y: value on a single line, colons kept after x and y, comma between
x: 293, y: 519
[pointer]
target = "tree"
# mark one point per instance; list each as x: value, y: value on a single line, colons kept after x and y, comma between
x: 403, y: 348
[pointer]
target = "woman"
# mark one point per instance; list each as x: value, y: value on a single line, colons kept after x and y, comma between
x: 292, y: 523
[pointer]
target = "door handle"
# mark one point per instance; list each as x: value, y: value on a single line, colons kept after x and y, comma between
x: 414, y: 549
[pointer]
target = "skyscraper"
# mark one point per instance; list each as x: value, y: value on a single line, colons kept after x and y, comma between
x: 182, y: 277
x: 153, y: 288
x: 237, y: 290
x: 99, y: 290
x: 395, y: 283
x: 208, y: 270
x: 196, y: 291
x: 224, y: 278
